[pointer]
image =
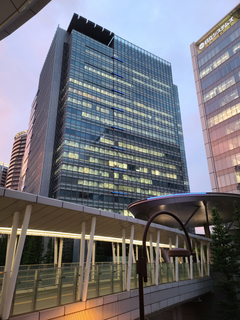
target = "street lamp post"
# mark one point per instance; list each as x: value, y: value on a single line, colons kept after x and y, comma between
x: 142, y: 258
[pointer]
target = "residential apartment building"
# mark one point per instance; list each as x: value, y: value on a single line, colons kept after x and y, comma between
x: 16, y: 160
x: 3, y: 173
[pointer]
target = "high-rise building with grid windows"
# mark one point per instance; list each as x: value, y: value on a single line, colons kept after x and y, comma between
x: 105, y: 127
x: 216, y: 65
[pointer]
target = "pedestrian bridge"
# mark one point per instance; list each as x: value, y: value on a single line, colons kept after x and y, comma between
x: 42, y: 288
x: 88, y: 289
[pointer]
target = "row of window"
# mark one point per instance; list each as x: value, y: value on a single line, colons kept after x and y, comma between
x: 228, y: 162
x: 221, y: 45
x: 216, y: 63
x: 149, y: 109
x: 225, y: 146
x: 120, y: 144
x: 124, y: 126
x: 224, y: 115
x: 222, y: 87
x: 225, y: 130
x: 120, y: 134
x: 94, y: 196
x: 220, y: 102
x: 232, y: 65
x: 123, y: 188
x: 83, y: 146
x: 104, y: 109
x: 118, y: 175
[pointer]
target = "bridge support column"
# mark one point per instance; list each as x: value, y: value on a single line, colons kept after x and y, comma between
x: 113, y: 253
x: 133, y: 256
x: 151, y: 259
x: 118, y: 253
x: 17, y: 258
x: 81, y: 261
x: 157, y: 258
x: 208, y: 259
x: 94, y: 253
x: 60, y: 253
x: 171, y: 260
x: 176, y: 260
x: 124, y: 258
x: 202, y: 258
x: 191, y: 264
x: 148, y: 259
x: 55, y: 251
x: 9, y: 258
x: 87, y: 270
x: 197, y: 258
x: 130, y: 258
x: 177, y: 313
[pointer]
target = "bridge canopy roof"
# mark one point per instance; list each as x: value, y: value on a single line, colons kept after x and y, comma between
x: 55, y: 218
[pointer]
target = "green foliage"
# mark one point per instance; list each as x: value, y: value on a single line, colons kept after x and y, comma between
x: 100, y: 252
x: 32, y: 251
x: 3, y: 249
x: 67, y: 255
x: 49, y: 255
x: 225, y: 259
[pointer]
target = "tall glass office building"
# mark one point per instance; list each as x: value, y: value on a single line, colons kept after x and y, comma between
x: 106, y: 126
x: 216, y: 64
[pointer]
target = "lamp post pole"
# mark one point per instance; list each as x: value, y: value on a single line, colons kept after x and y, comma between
x: 142, y: 259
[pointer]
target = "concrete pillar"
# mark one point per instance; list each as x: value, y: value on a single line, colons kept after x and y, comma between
x: 17, y: 259
x: 176, y: 260
x: 133, y: 255
x: 157, y: 258
x: 93, y: 253
x: 124, y: 258
x: 170, y: 247
x: 9, y: 258
x: 208, y: 259
x: 148, y: 259
x: 202, y: 253
x: 88, y: 263
x: 130, y: 258
x: 55, y: 251
x: 113, y: 253
x: 191, y: 264
x: 118, y: 260
x: 60, y: 253
x: 81, y: 261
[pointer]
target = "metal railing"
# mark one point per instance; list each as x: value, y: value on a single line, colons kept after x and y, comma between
x: 45, y: 286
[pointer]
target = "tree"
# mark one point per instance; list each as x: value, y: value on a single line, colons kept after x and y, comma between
x: 32, y: 251
x: 224, y: 258
x: 3, y: 249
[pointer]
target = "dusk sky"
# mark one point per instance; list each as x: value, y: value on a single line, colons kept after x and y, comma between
x: 164, y: 28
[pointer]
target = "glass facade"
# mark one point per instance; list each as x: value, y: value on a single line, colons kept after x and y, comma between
x: 119, y: 133
x: 217, y: 71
